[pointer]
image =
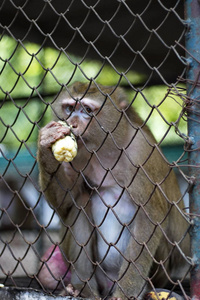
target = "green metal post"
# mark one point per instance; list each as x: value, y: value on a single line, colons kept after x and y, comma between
x: 192, y: 8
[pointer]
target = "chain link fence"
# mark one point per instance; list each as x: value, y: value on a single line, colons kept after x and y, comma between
x: 111, y: 222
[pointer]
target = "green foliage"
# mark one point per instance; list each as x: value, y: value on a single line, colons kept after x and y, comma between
x: 164, y: 110
x: 28, y: 70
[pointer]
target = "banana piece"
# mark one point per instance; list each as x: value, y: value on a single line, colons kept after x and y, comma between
x: 162, y: 294
x: 65, y: 149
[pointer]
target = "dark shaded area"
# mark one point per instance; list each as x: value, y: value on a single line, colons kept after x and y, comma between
x: 137, y: 35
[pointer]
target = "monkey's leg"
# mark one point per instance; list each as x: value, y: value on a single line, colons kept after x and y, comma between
x: 79, y: 247
x: 137, y: 264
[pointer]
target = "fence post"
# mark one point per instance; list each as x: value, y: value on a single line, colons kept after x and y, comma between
x: 192, y: 9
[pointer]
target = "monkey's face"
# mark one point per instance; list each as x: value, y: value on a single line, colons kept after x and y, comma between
x: 82, y: 116
x: 95, y: 118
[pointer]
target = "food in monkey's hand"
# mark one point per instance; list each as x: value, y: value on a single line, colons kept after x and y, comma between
x: 65, y: 149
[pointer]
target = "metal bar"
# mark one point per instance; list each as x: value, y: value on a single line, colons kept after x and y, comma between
x: 192, y: 9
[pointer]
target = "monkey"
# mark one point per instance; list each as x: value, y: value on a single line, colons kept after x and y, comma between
x: 120, y: 207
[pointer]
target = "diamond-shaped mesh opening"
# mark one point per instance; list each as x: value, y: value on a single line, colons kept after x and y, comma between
x: 111, y: 222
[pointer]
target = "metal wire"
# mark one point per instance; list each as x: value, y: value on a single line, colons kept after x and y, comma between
x: 100, y: 32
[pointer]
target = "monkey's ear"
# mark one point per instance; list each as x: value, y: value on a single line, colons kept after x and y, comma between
x: 121, y: 99
x: 123, y: 104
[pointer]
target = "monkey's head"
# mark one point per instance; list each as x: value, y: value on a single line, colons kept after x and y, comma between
x: 94, y: 112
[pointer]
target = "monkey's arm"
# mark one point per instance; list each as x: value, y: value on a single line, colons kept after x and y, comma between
x: 56, y: 179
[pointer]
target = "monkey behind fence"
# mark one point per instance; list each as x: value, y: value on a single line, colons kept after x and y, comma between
x: 118, y: 200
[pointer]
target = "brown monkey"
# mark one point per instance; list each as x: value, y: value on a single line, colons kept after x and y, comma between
x: 118, y: 200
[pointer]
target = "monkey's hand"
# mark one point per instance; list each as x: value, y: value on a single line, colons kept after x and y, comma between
x: 70, y: 291
x: 65, y: 149
x: 48, y: 136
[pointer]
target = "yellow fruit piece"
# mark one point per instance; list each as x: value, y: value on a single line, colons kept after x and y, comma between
x: 160, y: 296
x: 65, y: 149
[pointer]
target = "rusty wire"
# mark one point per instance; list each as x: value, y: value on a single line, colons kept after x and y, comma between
x: 25, y: 235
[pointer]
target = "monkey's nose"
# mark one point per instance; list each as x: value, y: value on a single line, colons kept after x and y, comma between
x: 73, y: 122
x: 74, y: 125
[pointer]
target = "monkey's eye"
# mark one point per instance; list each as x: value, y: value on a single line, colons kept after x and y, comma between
x: 69, y: 109
x: 88, y: 110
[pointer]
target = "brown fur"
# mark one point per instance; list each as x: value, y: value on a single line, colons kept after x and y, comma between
x: 127, y: 173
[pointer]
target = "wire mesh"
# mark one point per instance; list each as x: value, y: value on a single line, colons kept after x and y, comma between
x: 111, y: 221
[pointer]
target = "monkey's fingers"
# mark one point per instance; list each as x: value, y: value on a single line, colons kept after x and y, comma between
x: 70, y: 291
x: 162, y: 294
